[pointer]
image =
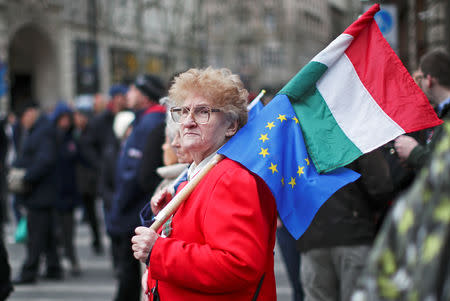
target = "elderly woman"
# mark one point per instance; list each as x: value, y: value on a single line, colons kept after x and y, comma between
x: 222, y: 237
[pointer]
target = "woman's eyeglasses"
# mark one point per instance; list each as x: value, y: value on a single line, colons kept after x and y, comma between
x: 200, y: 114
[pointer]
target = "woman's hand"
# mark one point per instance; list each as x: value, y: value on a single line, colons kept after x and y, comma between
x: 159, y: 200
x: 142, y: 243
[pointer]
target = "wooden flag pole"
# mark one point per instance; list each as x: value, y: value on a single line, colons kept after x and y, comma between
x: 180, y: 197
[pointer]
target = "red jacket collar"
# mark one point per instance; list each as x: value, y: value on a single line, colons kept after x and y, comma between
x: 155, y: 108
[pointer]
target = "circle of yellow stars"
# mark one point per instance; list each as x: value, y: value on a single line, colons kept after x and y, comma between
x: 265, y: 152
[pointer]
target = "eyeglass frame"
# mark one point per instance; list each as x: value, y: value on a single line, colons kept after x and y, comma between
x: 190, y: 112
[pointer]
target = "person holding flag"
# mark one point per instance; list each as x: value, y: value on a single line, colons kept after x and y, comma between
x: 219, y: 243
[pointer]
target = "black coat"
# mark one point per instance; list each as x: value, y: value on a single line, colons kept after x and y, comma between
x: 101, y: 135
x: 67, y: 156
x: 136, y: 177
x: 349, y: 216
x: 88, y: 167
x: 38, y: 158
x: 107, y: 173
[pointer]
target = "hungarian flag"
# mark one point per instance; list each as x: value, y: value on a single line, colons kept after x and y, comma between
x: 355, y: 96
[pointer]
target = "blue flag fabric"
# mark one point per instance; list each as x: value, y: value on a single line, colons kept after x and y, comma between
x: 272, y: 146
x: 255, y: 110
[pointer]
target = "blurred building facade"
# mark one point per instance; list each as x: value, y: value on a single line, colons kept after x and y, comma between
x: 58, y: 49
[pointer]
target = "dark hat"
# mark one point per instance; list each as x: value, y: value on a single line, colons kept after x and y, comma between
x: 118, y: 89
x: 151, y: 86
x: 24, y: 106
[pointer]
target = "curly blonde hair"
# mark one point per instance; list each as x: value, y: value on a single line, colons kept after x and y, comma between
x: 223, y: 88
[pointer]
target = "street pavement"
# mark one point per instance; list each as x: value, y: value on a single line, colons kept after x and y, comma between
x: 96, y: 283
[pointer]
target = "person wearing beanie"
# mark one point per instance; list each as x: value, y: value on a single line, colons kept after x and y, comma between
x: 37, y: 160
x: 134, y: 182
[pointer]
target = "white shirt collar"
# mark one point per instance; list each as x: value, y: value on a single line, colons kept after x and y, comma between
x: 195, y: 169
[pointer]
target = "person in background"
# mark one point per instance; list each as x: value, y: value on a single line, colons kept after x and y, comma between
x: 102, y: 144
x: 176, y: 162
x: 87, y: 170
x: 68, y: 196
x: 103, y: 135
x: 335, y: 246
x: 5, y: 276
x: 99, y: 103
x: 434, y: 81
x: 291, y: 259
x: 136, y: 177
x: 37, y: 164
x: 107, y: 186
x: 4, y: 145
x: 410, y: 258
x: 13, y: 132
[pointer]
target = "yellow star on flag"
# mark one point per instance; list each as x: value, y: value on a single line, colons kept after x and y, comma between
x: 263, y: 137
x: 292, y: 182
x: 264, y: 152
x: 273, y: 167
x: 300, y: 171
x: 307, y: 161
x: 282, y: 181
x: 270, y: 125
x: 281, y: 117
x: 295, y: 119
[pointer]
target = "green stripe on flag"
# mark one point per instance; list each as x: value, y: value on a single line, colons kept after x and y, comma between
x: 327, y: 144
x: 303, y: 81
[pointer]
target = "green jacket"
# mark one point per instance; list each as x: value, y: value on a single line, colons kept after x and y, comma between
x: 410, y: 258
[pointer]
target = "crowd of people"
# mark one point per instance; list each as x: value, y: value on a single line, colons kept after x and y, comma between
x: 144, y: 147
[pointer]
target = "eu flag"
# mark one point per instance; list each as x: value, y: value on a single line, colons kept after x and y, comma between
x: 271, y: 145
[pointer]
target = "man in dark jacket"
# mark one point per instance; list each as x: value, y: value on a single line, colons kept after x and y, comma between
x: 135, y: 181
x: 435, y: 83
x: 335, y: 246
x: 37, y: 159
x: 103, y: 135
x: 87, y: 170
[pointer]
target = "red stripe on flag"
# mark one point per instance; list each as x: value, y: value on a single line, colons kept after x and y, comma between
x: 363, y: 21
x: 388, y: 81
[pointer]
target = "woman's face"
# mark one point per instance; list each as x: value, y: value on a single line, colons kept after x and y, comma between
x: 201, y: 140
x: 169, y: 155
x: 182, y: 155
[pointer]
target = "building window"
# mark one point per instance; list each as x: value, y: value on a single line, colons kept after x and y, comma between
x: 272, y: 57
x: 270, y: 21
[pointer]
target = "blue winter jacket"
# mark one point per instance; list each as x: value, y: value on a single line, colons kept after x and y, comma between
x: 130, y: 196
x: 38, y: 158
x: 67, y: 157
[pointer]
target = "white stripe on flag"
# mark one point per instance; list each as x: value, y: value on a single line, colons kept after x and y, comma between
x: 334, y: 51
x: 355, y: 110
